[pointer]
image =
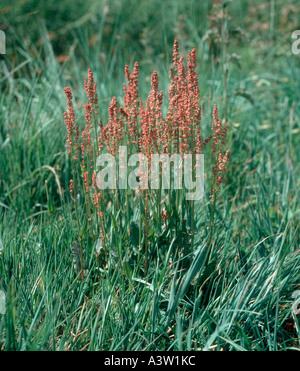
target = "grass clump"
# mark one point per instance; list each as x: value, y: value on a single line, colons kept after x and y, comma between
x: 236, y: 288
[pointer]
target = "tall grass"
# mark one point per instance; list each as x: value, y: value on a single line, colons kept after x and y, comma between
x: 243, y: 299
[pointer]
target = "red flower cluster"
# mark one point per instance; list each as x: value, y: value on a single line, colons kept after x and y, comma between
x: 142, y: 127
x: 220, y: 163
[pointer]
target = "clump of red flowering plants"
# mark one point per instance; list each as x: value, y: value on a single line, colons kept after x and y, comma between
x: 137, y: 226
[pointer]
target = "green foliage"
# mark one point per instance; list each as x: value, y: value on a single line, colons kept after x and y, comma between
x: 234, y: 293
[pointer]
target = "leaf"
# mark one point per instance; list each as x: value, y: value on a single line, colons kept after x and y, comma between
x: 76, y: 252
x: 208, y: 271
x: 134, y: 234
x: 197, y: 267
x: 126, y: 270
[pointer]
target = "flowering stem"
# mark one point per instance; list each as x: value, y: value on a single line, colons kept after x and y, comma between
x: 212, y: 208
x: 77, y: 223
x: 192, y: 225
x: 146, y: 229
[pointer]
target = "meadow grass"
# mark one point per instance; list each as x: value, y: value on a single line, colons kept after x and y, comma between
x: 241, y: 299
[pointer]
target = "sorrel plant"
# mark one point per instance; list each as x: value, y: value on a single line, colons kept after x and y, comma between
x: 143, y: 128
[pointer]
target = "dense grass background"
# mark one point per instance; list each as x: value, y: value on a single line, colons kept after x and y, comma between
x: 245, y: 301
